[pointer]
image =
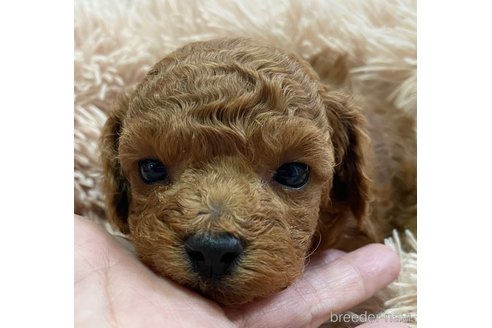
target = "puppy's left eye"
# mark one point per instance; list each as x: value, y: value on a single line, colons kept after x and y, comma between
x: 152, y: 171
x: 293, y: 175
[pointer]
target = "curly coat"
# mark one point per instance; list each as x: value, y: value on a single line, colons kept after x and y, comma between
x: 222, y: 116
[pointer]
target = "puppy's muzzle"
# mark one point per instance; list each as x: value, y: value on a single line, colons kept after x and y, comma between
x: 213, y: 256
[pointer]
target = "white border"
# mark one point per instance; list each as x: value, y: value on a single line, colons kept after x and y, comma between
x: 454, y: 163
x: 36, y: 165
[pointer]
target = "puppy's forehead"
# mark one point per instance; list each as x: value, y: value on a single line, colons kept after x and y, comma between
x: 225, y: 97
x: 234, y: 77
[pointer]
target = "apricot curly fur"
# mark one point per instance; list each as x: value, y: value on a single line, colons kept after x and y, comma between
x: 222, y: 116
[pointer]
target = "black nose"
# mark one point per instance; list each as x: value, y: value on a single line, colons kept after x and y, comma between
x: 213, y: 255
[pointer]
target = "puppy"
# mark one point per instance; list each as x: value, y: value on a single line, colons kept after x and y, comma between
x: 232, y: 162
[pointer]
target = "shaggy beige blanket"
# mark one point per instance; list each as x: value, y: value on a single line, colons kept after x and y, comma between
x: 117, y: 41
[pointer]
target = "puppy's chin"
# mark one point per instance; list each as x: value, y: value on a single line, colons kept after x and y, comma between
x: 226, y: 295
x: 238, y: 289
x: 241, y: 288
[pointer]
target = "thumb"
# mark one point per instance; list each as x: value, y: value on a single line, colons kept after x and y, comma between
x: 325, y: 289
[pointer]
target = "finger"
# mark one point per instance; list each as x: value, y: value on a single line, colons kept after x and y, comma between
x: 323, y: 290
x: 324, y: 258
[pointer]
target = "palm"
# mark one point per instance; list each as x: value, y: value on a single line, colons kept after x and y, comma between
x: 113, y: 289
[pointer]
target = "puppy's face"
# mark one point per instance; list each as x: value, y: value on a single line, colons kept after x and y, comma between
x: 220, y: 164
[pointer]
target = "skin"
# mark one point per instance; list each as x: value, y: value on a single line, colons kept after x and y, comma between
x: 114, y: 289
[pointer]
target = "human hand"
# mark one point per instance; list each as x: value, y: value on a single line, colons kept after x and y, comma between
x: 114, y: 289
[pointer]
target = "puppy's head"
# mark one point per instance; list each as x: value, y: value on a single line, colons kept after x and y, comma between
x: 225, y: 164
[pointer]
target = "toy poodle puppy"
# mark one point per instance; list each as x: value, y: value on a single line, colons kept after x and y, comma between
x: 233, y: 161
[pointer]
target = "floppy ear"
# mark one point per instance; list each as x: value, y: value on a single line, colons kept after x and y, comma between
x: 115, y: 185
x: 350, y: 187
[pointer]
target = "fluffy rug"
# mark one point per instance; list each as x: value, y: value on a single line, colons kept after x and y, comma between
x: 117, y: 41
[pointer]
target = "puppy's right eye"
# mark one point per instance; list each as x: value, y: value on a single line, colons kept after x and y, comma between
x: 294, y: 175
x: 152, y: 171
